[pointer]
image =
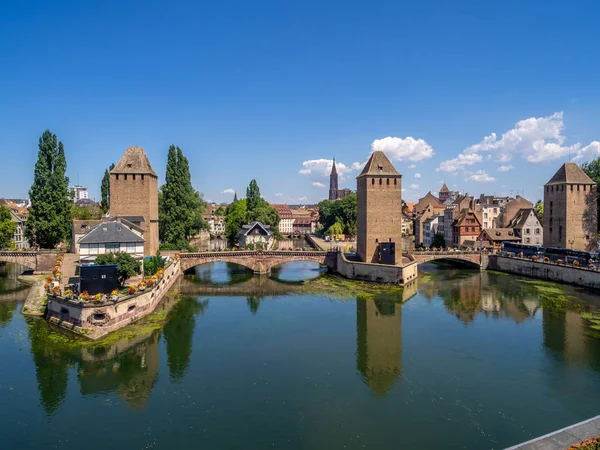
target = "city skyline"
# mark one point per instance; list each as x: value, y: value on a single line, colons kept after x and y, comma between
x: 271, y: 92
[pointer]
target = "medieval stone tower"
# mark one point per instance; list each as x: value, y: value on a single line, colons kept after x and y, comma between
x: 134, y: 194
x: 570, y: 210
x: 379, y: 208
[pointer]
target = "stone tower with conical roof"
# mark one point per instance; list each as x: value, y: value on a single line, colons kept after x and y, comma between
x: 134, y: 194
x: 333, y: 183
x: 379, y: 208
x: 570, y: 210
x: 444, y: 193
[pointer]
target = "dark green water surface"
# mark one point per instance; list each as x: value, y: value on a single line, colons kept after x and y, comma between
x: 463, y: 360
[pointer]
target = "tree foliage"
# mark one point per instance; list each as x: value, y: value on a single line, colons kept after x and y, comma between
x: 180, y: 205
x: 341, y: 211
x: 539, y: 210
x: 336, y: 229
x: 235, y: 217
x: 438, y: 240
x: 252, y: 208
x: 592, y: 169
x: 105, y: 189
x: 127, y: 264
x: 220, y: 211
x: 7, y: 228
x: 49, y: 222
x: 152, y: 264
x: 86, y: 212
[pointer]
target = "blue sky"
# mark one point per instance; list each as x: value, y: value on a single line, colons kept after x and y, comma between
x: 271, y: 89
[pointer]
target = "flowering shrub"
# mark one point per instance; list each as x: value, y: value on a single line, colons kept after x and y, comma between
x: 56, y: 290
x: 98, y: 297
x: 68, y: 293
x: 85, y: 296
x: 114, y: 292
x: 142, y: 285
x: 132, y: 289
x: 152, y: 282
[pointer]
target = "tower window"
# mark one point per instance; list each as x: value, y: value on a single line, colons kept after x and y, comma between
x: 372, y: 180
x: 125, y: 177
x: 117, y: 176
x: 577, y: 187
x: 584, y: 188
x: 395, y: 182
x: 134, y: 177
x: 380, y: 182
x: 388, y: 181
x: 142, y: 177
x: 571, y: 188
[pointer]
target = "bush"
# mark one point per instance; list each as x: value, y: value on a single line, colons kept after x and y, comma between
x: 127, y: 265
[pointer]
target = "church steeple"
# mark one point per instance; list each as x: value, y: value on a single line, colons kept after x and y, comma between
x: 333, y: 183
x: 235, y: 197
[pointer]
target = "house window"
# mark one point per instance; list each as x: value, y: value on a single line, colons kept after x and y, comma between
x: 112, y: 247
x: 527, y: 231
x: 131, y: 247
x: 93, y: 249
x: 537, y: 231
x: 527, y: 240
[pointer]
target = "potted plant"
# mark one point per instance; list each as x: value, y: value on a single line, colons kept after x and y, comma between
x: 132, y: 289
x: 56, y: 291
x: 559, y: 261
x: 576, y: 263
x: 114, y: 295
x: 98, y: 298
x: 546, y: 259
x: 84, y: 296
x: 534, y: 258
x: 142, y: 286
x: 152, y: 282
x: 58, y: 276
x: 68, y: 294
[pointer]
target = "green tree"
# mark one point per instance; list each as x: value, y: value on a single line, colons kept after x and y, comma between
x: 592, y: 169
x: 220, y: 211
x: 341, y: 211
x: 335, y: 229
x: 86, y: 212
x: 49, y: 222
x: 105, y: 189
x: 539, y: 210
x: 235, y: 217
x: 438, y: 240
x: 265, y: 214
x: 152, y: 264
x: 180, y: 204
x: 127, y: 264
x: 7, y: 228
x: 253, y: 198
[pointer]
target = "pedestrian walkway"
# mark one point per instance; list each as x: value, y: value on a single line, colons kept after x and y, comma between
x: 70, y: 269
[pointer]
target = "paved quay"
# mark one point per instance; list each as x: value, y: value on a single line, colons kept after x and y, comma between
x: 562, y: 439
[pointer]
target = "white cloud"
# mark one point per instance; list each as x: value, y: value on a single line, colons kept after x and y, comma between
x: 459, y: 163
x: 504, y: 168
x: 358, y: 166
x: 536, y: 139
x: 399, y: 149
x: 303, y: 198
x: 278, y: 194
x: 318, y: 184
x: 417, y: 175
x: 228, y: 191
x: 412, y: 166
x: 321, y: 168
x: 414, y: 186
x: 480, y: 176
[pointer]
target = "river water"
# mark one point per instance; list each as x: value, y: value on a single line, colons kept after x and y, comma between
x: 463, y: 360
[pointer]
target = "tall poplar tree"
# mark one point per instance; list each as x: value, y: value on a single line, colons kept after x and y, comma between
x: 49, y: 221
x: 179, y: 202
x: 253, y: 198
x: 105, y: 189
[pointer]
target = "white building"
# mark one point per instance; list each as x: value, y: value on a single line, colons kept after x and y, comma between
x: 527, y: 225
x: 110, y: 237
x: 489, y: 216
x: 430, y: 228
x: 79, y: 193
x: 286, y: 219
x: 256, y: 234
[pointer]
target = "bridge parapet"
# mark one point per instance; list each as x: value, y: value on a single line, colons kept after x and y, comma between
x: 40, y: 262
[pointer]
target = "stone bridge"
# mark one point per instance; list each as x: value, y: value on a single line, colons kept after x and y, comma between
x: 470, y: 258
x: 39, y: 262
x: 260, y: 262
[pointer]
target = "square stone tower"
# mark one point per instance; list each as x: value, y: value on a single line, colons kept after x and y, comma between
x: 379, y: 208
x: 570, y: 210
x: 134, y: 194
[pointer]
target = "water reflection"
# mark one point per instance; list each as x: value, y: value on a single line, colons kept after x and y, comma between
x: 297, y: 271
x: 219, y: 273
x: 379, y: 343
x: 292, y: 244
x: 212, y: 244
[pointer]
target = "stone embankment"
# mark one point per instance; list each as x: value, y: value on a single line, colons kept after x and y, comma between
x: 559, y: 273
x: 96, y: 320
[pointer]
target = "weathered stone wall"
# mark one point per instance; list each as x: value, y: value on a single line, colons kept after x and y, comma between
x: 137, y: 195
x: 545, y: 271
x: 97, y: 321
x: 380, y: 273
x: 40, y: 262
x: 379, y: 214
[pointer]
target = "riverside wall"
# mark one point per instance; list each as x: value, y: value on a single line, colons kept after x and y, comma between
x: 379, y: 273
x: 546, y: 271
x: 95, y: 321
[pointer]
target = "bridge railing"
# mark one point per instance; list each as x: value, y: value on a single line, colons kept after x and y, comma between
x: 446, y: 252
x: 249, y: 253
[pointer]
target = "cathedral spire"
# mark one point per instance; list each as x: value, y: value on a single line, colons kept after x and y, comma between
x: 235, y: 197
x: 333, y: 183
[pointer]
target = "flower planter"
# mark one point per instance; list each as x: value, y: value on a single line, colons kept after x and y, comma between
x: 114, y: 298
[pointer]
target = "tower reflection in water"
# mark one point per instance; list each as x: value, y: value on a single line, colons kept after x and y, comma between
x: 379, y: 339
